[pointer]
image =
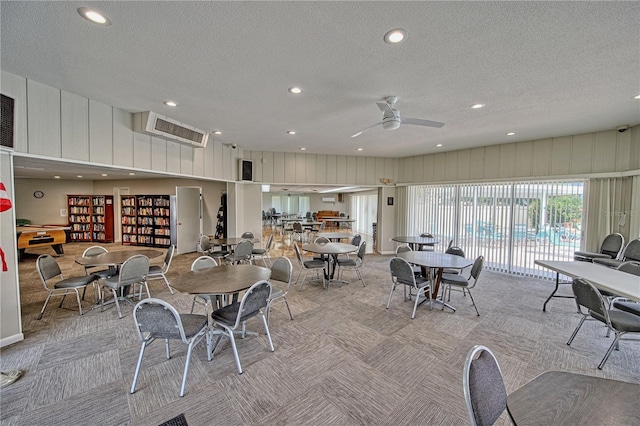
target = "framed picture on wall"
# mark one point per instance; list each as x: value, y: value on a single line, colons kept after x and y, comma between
x: 389, y: 201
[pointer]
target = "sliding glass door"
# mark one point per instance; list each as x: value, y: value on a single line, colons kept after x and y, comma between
x: 510, y: 224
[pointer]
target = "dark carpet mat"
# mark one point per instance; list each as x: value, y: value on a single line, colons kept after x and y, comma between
x: 176, y: 421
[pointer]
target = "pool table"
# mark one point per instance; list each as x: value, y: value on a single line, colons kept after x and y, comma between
x: 32, y: 236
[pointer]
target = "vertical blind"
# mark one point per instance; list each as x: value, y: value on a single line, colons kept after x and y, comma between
x: 510, y: 224
x: 364, y: 208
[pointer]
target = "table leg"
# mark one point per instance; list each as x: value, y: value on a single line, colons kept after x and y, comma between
x: 553, y: 294
x: 435, y: 288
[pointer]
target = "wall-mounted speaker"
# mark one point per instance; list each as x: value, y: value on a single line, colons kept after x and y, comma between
x: 6, y: 116
x: 245, y: 170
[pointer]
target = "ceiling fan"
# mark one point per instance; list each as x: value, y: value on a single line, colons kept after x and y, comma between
x: 391, y: 119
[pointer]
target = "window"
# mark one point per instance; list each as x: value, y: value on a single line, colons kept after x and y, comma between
x: 304, y: 205
x: 510, y: 224
x: 276, y: 204
x: 364, y: 208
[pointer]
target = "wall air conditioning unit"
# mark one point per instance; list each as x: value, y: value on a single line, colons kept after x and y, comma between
x: 158, y: 125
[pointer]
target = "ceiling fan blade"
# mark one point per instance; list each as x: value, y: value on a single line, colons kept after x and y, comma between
x: 355, y: 135
x: 384, y: 107
x: 420, y: 122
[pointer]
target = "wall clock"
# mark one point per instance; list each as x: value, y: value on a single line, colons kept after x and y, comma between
x: 38, y: 194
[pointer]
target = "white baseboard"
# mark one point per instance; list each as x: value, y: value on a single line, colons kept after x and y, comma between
x: 11, y: 340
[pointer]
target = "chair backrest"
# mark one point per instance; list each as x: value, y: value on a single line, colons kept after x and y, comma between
x: 401, y: 271
x: 243, y: 250
x: 631, y: 267
x: 253, y: 300
x: 426, y: 234
x: 203, y: 262
x: 269, y: 242
x: 476, y: 268
x: 403, y: 249
x: 632, y: 251
x: 297, y: 227
x: 355, y: 241
x: 134, y: 270
x: 298, y: 254
x: 589, y: 296
x: 168, y: 257
x: 205, y: 244
x: 612, y: 245
x: 282, y: 270
x: 248, y: 235
x: 450, y: 244
x: 457, y: 251
x: 47, y: 268
x: 323, y: 225
x: 484, y: 392
x: 321, y: 240
x: 362, y: 249
x: 94, y: 251
x: 155, y: 318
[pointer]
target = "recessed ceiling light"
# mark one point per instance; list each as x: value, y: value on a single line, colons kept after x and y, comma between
x: 170, y: 103
x: 439, y: 145
x: 217, y: 132
x: 302, y: 148
x: 132, y: 174
x: 395, y: 36
x: 104, y: 174
x: 360, y: 149
x: 79, y: 176
x: 56, y: 177
x: 295, y: 90
x: 510, y: 133
x: 291, y: 132
x: 477, y: 106
x: 94, y: 16
x: 636, y: 97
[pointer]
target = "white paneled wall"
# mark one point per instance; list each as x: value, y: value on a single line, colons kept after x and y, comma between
x: 53, y: 123
x: 579, y: 155
x: 300, y: 168
x: 74, y: 119
x: 56, y: 127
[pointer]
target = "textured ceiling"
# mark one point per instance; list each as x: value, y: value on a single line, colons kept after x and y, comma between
x: 542, y: 68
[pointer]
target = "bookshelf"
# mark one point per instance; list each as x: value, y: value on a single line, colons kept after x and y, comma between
x: 129, y: 219
x: 146, y: 220
x: 90, y: 218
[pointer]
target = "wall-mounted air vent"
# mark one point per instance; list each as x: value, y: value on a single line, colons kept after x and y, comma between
x: 159, y: 125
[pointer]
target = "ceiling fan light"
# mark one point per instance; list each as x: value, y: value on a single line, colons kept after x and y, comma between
x: 391, y: 124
